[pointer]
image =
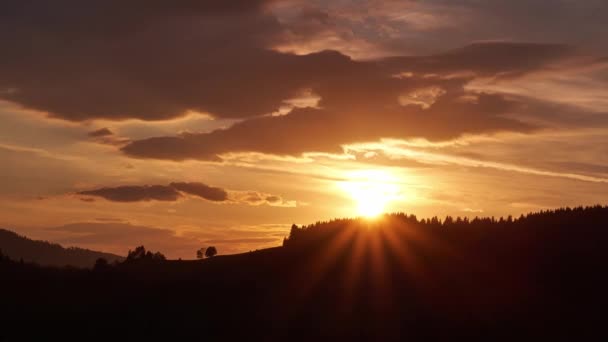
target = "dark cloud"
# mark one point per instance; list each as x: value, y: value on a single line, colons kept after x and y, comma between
x: 399, y: 27
x: 135, y: 193
x: 102, y: 132
x: 175, y: 190
x: 579, y: 22
x: 306, y: 130
x: 107, y: 137
x: 273, y: 199
x: 201, y: 190
x: 363, y: 101
x: 504, y: 59
x: 158, y: 61
x: 131, y: 59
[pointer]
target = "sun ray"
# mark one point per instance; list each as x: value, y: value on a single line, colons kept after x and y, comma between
x: 352, y: 275
x: 320, y: 264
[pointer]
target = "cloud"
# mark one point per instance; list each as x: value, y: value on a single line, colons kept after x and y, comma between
x: 176, y: 190
x: 107, y: 137
x: 582, y: 86
x: 398, y: 27
x: 201, y: 190
x: 256, y: 198
x: 102, y: 132
x: 491, y: 58
x: 156, y: 62
x: 323, y: 130
x: 135, y: 193
x: 119, y: 60
x: 273, y: 199
x: 366, y: 101
x: 424, y: 97
x: 398, y: 150
x: 162, y: 61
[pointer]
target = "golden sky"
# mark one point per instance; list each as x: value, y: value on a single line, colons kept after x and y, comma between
x: 189, y: 124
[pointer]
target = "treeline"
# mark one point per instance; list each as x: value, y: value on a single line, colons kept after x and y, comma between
x: 572, y: 221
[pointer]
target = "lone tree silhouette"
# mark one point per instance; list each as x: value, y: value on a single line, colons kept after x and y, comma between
x: 210, y: 252
x: 200, y: 253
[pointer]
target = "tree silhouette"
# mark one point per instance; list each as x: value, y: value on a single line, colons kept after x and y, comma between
x: 140, y: 253
x: 200, y: 253
x: 210, y: 252
x: 158, y: 256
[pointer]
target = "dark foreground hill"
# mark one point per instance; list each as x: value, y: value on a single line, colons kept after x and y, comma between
x: 48, y: 254
x: 398, y: 278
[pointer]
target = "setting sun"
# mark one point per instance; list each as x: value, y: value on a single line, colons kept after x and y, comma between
x: 371, y: 190
x: 340, y: 170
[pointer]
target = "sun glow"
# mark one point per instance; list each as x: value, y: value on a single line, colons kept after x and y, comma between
x: 371, y: 190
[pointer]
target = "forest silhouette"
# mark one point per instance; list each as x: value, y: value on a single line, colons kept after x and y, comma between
x: 392, y: 278
x: 49, y: 254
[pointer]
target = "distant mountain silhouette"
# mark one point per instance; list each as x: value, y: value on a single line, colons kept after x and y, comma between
x: 45, y: 253
x: 542, y: 276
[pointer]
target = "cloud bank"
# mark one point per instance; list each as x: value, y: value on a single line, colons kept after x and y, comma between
x: 75, y: 62
x: 176, y: 190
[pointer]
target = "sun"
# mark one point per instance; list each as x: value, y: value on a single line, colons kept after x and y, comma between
x: 371, y: 190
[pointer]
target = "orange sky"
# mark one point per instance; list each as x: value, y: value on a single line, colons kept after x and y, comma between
x: 180, y: 127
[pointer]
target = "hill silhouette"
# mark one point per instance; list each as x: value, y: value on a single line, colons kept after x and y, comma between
x: 540, y: 276
x: 44, y: 253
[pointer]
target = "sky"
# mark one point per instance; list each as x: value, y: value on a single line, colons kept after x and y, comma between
x: 185, y: 124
